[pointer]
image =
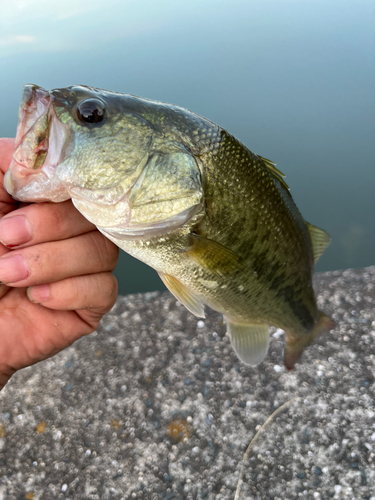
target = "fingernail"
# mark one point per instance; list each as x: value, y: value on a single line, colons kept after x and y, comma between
x: 15, y: 231
x: 13, y: 269
x: 38, y: 293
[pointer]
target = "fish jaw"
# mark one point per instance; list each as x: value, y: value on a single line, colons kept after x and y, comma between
x: 40, y: 139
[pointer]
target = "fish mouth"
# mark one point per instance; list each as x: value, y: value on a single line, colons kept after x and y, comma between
x: 32, y: 139
x: 39, y: 145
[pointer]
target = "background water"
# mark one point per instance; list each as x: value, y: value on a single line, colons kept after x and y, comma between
x: 293, y: 79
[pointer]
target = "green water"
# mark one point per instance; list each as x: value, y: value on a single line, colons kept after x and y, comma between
x: 294, y: 80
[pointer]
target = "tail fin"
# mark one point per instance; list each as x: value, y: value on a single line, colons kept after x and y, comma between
x: 295, y: 346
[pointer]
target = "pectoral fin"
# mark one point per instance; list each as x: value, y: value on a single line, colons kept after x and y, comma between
x: 189, y: 299
x: 250, y: 342
x: 319, y: 240
x: 213, y: 256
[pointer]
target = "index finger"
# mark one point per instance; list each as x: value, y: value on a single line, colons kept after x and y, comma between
x: 42, y: 222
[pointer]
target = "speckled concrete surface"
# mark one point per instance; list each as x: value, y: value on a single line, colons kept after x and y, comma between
x: 155, y: 405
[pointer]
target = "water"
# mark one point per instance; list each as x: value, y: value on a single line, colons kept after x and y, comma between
x: 293, y: 79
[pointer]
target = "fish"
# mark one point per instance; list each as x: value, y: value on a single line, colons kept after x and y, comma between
x: 183, y: 195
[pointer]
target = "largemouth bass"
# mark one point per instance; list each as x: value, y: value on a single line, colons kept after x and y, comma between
x: 181, y: 194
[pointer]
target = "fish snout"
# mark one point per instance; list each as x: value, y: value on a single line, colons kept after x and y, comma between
x: 31, y: 93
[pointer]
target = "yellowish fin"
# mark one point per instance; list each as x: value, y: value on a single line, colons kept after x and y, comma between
x: 319, y: 240
x: 189, y: 299
x: 250, y: 342
x: 213, y: 256
x: 295, y: 345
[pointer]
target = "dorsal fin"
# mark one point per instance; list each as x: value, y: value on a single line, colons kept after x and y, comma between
x: 275, y: 172
x: 319, y: 240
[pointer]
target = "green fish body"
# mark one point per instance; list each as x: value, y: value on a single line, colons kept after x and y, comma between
x: 181, y: 194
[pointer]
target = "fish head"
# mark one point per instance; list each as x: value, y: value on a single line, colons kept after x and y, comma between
x: 93, y: 146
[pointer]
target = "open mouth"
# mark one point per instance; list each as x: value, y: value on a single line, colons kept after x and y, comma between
x: 33, y: 128
x: 40, y: 139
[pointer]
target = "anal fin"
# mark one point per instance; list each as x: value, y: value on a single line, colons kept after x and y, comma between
x: 189, y: 299
x: 250, y: 342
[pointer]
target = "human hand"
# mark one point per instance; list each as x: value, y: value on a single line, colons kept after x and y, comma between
x: 59, y: 270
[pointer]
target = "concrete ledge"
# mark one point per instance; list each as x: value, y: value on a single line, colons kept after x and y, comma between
x: 155, y: 405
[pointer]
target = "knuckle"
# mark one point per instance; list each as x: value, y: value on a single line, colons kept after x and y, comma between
x: 101, y: 288
x: 97, y: 253
x: 108, y: 288
x: 112, y: 252
x: 104, y: 251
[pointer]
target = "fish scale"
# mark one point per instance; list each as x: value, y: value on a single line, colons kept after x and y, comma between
x: 183, y: 195
x: 252, y: 226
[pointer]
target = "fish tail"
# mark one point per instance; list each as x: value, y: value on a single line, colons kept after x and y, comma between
x: 296, y: 345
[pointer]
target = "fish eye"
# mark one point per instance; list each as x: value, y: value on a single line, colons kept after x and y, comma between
x: 91, y: 111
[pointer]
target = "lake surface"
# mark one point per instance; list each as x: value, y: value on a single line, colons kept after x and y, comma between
x: 294, y: 80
